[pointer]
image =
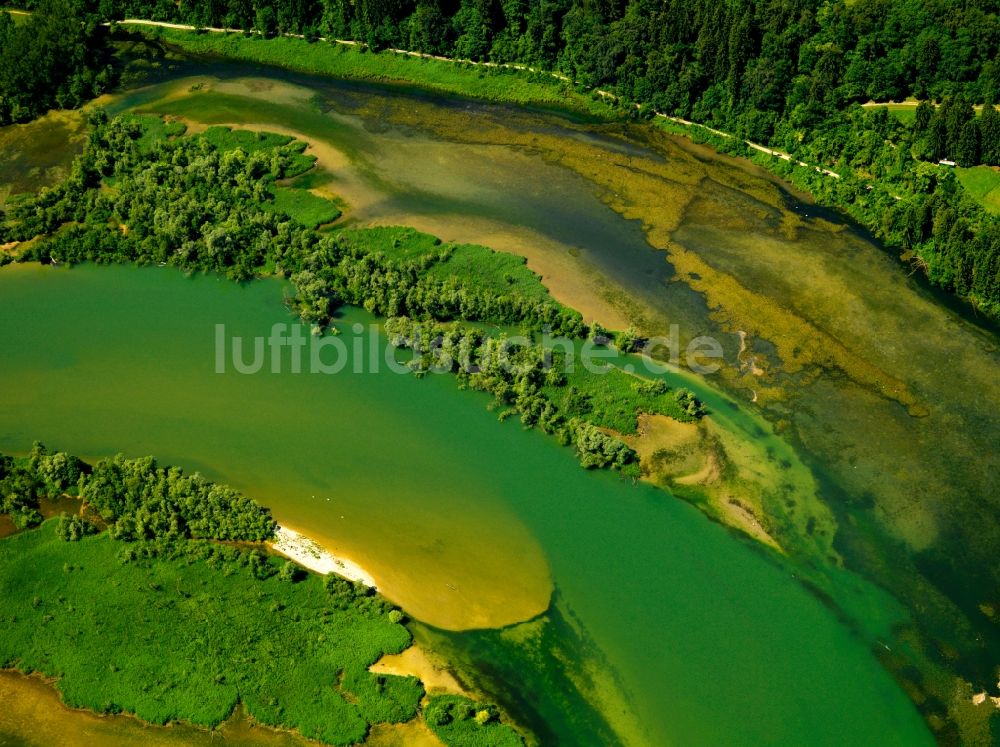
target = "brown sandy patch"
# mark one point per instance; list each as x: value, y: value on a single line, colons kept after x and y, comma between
x: 424, y: 666
x: 411, y: 734
x: 691, y: 456
x: 570, y: 281
x: 666, y: 447
x: 741, y: 517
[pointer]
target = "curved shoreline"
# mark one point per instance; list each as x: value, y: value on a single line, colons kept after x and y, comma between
x: 311, y: 555
x: 317, y: 558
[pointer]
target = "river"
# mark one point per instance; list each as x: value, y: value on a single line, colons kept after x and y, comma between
x: 665, y: 627
x: 879, y: 399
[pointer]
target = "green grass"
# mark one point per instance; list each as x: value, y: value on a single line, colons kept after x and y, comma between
x: 154, y: 128
x: 398, y: 242
x: 347, y: 62
x: 305, y: 207
x: 226, y: 139
x: 983, y: 185
x: 453, y: 719
x: 611, y: 398
x: 19, y: 18
x: 905, y: 113
x: 491, y: 271
x: 473, y: 266
x: 186, y: 638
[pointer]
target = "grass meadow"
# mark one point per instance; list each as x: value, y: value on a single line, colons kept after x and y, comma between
x: 186, y: 637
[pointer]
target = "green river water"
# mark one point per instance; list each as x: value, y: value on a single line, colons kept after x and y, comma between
x: 601, y: 611
x: 697, y: 634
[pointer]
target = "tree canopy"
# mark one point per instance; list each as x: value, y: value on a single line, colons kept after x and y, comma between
x: 57, y: 58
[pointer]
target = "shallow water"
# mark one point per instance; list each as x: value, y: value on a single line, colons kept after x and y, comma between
x: 34, y: 716
x: 693, y: 633
x: 888, y: 395
x: 38, y: 154
x: 510, y: 198
x: 885, y: 399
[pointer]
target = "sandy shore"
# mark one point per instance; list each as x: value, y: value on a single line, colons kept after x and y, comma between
x: 420, y: 663
x: 980, y: 698
x: 569, y: 280
x: 310, y: 554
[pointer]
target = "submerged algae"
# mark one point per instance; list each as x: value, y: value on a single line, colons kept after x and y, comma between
x: 802, y: 390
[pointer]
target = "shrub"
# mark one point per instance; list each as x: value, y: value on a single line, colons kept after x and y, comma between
x: 73, y: 528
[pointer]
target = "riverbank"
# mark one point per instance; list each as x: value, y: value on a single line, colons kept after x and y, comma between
x: 854, y: 192
x: 34, y: 714
x: 311, y: 555
x: 91, y: 577
x: 104, y: 611
x: 351, y: 61
x: 34, y: 707
x: 524, y: 85
x: 325, y: 442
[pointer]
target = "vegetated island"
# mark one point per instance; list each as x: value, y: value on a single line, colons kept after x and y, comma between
x: 157, y: 597
x: 222, y: 185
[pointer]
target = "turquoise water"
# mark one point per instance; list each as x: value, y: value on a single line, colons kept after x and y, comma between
x: 666, y: 628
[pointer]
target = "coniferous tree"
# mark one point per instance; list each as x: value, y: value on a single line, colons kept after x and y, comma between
x: 922, y: 117
x: 989, y: 135
x: 957, y: 112
x: 967, y: 151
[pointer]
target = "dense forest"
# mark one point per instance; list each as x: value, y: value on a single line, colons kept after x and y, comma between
x: 135, y: 498
x: 766, y: 69
x: 762, y: 68
x: 56, y: 58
